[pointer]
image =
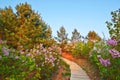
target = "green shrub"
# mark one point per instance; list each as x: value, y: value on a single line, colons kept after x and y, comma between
x: 76, y: 52
x: 69, y: 47
x: 86, y: 49
x: 82, y: 49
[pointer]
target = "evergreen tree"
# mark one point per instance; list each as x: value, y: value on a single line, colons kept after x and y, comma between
x: 75, y: 36
x: 24, y: 27
x: 62, y: 36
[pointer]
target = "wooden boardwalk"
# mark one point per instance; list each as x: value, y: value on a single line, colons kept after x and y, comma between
x: 77, y: 73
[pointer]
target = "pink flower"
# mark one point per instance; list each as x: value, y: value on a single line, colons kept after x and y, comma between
x: 27, y: 55
x: 104, y: 62
x: 112, y: 42
x: 114, y: 53
x: 16, y: 57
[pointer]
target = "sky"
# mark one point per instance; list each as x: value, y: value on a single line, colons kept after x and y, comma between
x: 83, y: 15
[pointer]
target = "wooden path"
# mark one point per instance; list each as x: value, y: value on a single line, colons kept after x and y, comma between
x: 77, y: 73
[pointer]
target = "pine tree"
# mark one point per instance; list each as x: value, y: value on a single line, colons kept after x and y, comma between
x: 23, y: 27
x: 62, y: 36
x: 75, y: 36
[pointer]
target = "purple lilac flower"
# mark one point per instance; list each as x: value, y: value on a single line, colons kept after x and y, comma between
x: 114, y: 53
x: 104, y: 62
x: 5, y: 51
x: 16, y: 57
x: 21, y: 51
x: 44, y: 50
x: 112, y: 42
x: 27, y: 55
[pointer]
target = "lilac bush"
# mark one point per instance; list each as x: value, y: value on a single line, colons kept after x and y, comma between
x: 47, y: 58
x: 40, y: 61
x: 106, y: 57
x: 50, y: 55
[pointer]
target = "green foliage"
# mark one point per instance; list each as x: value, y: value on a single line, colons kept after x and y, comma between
x: 76, y: 52
x: 46, y: 42
x: 86, y: 49
x: 82, y: 49
x: 66, y: 69
x: 114, y: 25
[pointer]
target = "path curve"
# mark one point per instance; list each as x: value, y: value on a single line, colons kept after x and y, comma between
x: 77, y: 73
